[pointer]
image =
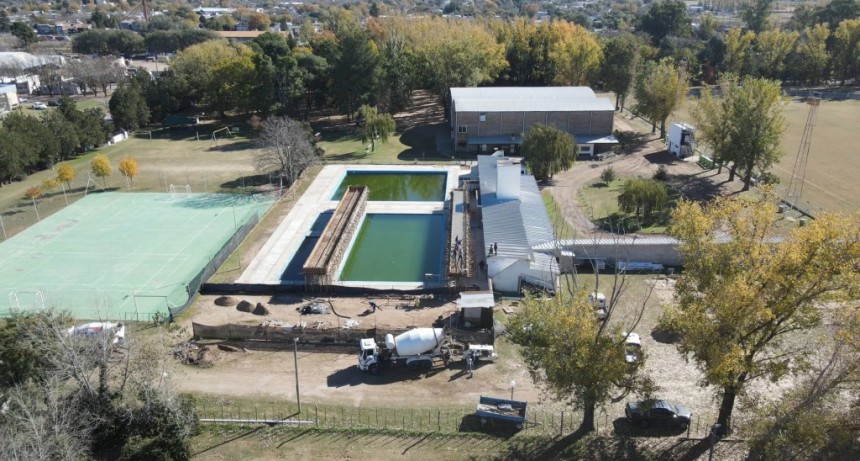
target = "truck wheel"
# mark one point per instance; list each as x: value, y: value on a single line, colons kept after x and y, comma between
x: 412, y: 365
x: 426, y: 364
x: 643, y: 424
x: 374, y: 369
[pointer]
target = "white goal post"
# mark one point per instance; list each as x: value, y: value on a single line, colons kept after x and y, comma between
x: 175, y: 191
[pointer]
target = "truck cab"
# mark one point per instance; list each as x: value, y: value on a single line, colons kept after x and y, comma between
x: 368, y: 358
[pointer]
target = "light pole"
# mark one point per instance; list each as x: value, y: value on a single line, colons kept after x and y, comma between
x: 513, y: 385
x: 296, y: 364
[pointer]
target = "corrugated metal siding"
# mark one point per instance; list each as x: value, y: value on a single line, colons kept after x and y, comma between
x: 519, y: 92
x: 599, y: 105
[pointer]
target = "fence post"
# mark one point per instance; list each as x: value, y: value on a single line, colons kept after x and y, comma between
x: 439, y: 420
x: 316, y: 415
x: 561, y: 425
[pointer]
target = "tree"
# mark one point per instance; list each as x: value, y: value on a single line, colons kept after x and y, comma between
x: 23, y: 32
x: 5, y: 24
x: 757, y: 15
x: 128, y: 106
x: 773, y: 47
x: 836, y: 11
x: 812, y: 55
x: 741, y: 292
x: 64, y: 132
x: 100, y: 166
x: 358, y: 56
x: 128, y: 167
x: 607, y: 175
x: 173, y: 40
x: 738, y: 46
x: 846, y: 56
x: 217, y: 73
x: 665, y: 18
x: 574, y: 52
x: 285, y: 147
x: 373, y: 125
x: 66, y: 174
x: 548, y: 150
x: 659, y: 91
x: 643, y: 197
x: 575, y: 356
x: 108, y: 41
x: 619, y: 61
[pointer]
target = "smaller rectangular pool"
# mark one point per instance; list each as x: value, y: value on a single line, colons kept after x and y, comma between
x: 397, y: 186
x: 396, y: 248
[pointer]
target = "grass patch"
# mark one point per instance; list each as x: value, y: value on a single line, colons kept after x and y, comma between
x: 414, y: 145
x: 600, y: 202
x: 560, y: 226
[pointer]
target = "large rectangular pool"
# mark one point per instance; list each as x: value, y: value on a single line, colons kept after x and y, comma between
x: 397, y: 248
x: 397, y: 185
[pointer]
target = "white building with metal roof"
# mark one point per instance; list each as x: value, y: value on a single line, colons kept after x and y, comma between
x: 495, y: 118
x: 515, y: 223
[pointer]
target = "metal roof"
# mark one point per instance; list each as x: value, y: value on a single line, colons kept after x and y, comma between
x: 476, y: 299
x: 599, y: 139
x: 522, y: 92
x: 515, y: 225
x: 536, y: 104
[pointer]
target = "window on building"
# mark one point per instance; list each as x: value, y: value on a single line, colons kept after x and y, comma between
x: 585, y: 149
x: 462, y: 129
x: 482, y: 117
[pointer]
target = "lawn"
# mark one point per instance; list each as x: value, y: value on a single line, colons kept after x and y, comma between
x: 562, y: 229
x: 600, y: 202
x: 416, y: 144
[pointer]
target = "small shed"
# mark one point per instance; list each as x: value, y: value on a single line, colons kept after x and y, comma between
x: 477, y: 308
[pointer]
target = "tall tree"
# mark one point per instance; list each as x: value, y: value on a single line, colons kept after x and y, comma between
x: 659, y: 91
x: 576, y: 357
x: 741, y: 292
x: 665, y: 18
x: 619, y: 61
x: 757, y: 15
x: 846, y: 56
x: 575, y: 54
x: 217, y: 73
x: 356, y: 71
x: 548, y: 150
x: 285, y: 147
x: 128, y: 107
x: 373, y: 126
x: 774, y: 47
x: 643, y: 197
x: 129, y: 168
x: 738, y: 47
x: 66, y: 173
x: 812, y: 56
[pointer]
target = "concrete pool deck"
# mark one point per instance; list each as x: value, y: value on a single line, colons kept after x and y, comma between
x: 272, y: 259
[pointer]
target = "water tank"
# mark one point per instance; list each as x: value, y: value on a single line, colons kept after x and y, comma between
x: 416, y: 341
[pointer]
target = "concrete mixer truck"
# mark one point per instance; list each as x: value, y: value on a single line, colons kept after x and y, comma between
x: 419, y: 348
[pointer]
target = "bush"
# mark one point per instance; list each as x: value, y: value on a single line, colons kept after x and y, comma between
x: 767, y: 179
x: 607, y: 175
x: 661, y: 174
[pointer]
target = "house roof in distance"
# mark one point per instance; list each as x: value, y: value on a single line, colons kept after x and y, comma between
x: 529, y: 99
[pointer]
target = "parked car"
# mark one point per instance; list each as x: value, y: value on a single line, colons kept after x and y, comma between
x: 598, y: 301
x: 658, y: 413
x: 632, y: 347
x: 39, y: 106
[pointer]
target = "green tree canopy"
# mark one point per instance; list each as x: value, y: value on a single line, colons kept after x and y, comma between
x: 659, y: 91
x: 741, y: 293
x: 548, y: 150
x: 665, y: 18
x: 108, y: 41
x: 643, y: 197
x: 619, y: 62
x: 846, y: 56
x: 128, y: 106
x: 373, y: 125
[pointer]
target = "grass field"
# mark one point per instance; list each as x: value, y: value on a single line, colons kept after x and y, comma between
x: 833, y: 164
x: 414, y: 144
x: 601, y: 203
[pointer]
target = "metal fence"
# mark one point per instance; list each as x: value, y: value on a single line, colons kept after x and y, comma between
x: 540, y: 421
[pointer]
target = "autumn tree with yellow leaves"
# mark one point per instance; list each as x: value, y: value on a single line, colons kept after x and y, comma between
x: 128, y: 167
x: 100, y: 166
x: 744, y: 290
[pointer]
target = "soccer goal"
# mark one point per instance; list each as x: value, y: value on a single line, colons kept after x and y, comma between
x: 38, y: 300
x: 177, y: 191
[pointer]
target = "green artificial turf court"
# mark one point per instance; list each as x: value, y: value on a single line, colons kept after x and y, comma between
x: 121, y: 256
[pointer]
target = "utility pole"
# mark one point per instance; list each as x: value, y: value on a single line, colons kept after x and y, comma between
x: 296, y: 364
x: 145, y: 10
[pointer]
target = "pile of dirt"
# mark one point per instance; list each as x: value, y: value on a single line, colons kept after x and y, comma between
x: 199, y: 356
x: 226, y: 301
x: 244, y: 306
x: 260, y: 310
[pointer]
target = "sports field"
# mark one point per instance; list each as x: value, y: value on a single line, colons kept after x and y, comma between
x: 120, y: 256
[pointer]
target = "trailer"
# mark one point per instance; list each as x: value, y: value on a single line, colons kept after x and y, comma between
x: 418, y: 348
x: 681, y: 140
x: 491, y: 410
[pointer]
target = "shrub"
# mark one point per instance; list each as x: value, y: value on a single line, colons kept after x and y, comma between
x: 661, y: 174
x: 607, y: 175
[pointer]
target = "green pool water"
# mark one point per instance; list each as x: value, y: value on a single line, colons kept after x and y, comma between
x: 396, y: 248
x: 397, y: 186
